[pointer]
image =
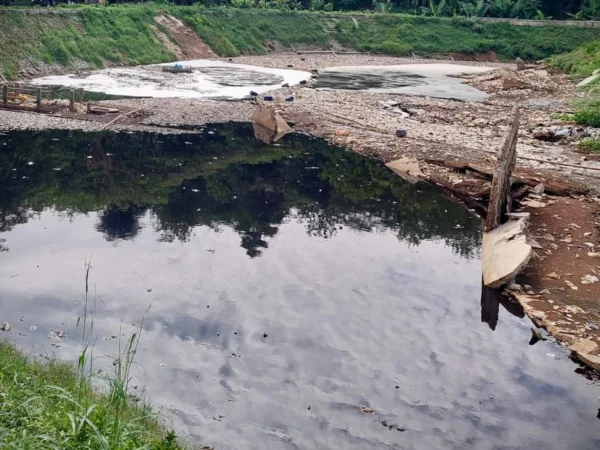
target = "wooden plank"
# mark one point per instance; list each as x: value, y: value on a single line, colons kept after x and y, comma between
x: 500, y: 193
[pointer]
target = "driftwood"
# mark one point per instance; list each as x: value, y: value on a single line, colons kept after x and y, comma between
x: 120, y: 117
x: 500, y: 194
x: 553, y: 184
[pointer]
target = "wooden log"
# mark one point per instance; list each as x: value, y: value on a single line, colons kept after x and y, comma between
x: 120, y: 117
x: 72, y: 101
x: 38, y: 99
x: 500, y: 194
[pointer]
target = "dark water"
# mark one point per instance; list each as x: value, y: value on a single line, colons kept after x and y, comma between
x: 289, y: 285
x: 421, y: 80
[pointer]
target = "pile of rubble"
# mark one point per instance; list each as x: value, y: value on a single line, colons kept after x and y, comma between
x: 522, y: 84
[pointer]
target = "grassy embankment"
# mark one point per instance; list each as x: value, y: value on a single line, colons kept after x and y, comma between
x: 582, y: 62
x: 45, y: 405
x: 54, y: 405
x: 122, y: 34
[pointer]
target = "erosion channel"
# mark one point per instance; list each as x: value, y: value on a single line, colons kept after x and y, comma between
x: 301, y: 296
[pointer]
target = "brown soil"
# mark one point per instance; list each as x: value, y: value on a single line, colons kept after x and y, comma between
x: 559, y: 296
x: 189, y: 44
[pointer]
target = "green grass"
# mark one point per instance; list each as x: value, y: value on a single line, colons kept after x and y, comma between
x: 53, y: 405
x: 402, y: 34
x: 45, y: 405
x: 581, y: 62
x: 587, y: 111
x: 590, y: 146
x: 232, y: 32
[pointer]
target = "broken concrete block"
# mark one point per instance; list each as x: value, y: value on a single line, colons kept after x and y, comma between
x: 407, y: 168
x: 504, y: 253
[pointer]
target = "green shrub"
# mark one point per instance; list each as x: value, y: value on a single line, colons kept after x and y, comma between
x: 590, y: 145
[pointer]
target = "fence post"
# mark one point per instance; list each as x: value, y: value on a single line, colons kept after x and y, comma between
x: 72, y: 101
x: 5, y: 95
x: 38, y: 99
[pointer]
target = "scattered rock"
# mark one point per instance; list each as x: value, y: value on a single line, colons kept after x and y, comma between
x: 536, y: 336
x: 553, y: 275
x: 593, y: 255
x: 407, y: 168
x: 401, y: 133
x: 539, y: 189
x: 589, y: 279
x: 342, y: 133
x: 5, y: 327
x: 571, y: 285
x: 533, y: 203
x: 366, y: 409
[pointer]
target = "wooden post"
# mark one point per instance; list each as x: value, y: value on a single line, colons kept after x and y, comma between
x: 500, y: 194
x: 81, y: 95
x: 72, y: 101
x: 38, y: 99
x: 5, y: 95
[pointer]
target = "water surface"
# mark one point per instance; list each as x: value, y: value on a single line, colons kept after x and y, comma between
x: 431, y: 80
x: 209, y: 78
x: 289, y: 286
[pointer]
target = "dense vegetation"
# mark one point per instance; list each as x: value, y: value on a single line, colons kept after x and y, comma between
x: 524, y: 9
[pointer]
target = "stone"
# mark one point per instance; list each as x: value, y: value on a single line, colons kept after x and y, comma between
x: 401, y: 133
x: 571, y: 285
x: 5, y: 327
x: 553, y: 275
x: 533, y: 203
x: 342, y: 133
x: 407, y: 168
x: 589, y: 279
x: 545, y: 134
x: 583, y: 350
x: 519, y: 215
x: 539, y: 189
x: 505, y: 252
x: 593, y: 255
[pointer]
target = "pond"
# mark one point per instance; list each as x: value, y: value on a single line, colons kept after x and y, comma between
x: 432, y: 80
x: 283, y: 288
x: 208, y: 78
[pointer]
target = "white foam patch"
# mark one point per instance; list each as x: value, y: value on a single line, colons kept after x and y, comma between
x: 208, y: 79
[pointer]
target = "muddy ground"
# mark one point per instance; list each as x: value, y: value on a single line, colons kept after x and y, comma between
x: 560, y: 288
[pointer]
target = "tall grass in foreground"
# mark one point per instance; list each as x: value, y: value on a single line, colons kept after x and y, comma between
x: 52, y: 405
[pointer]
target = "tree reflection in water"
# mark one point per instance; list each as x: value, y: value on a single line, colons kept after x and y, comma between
x: 222, y: 176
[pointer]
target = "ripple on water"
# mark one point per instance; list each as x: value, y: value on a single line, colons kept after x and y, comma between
x: 283, y: 299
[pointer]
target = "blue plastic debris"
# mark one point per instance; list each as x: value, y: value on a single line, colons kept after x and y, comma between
x: 268, y: 98
x: 290, y: 99
x: 401, y: 133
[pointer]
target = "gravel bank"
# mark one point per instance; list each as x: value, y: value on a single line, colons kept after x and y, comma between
x: 309, y: 61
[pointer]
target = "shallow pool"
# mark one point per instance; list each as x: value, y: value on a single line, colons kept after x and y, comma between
x: 288, y: 286
x: 208, y: 79
x: 431, y: 80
